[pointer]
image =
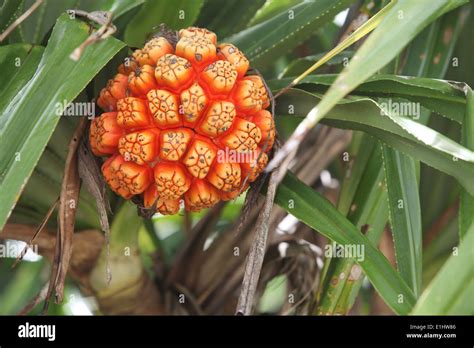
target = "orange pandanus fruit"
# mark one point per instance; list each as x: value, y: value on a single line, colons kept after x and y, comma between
x: 183, y: 123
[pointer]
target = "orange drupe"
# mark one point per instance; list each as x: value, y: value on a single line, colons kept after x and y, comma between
x: 183, y: 123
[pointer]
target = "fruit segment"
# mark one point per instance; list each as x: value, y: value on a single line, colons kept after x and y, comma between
x: 197, y: 50
x: 173, y: 71
x: 220, y: 76
x: 243, y: 138
x: 164, y: 108
x: 126, y: 178
x: 264, y: 120
x: 111, y: 180
x: 151, y: 199
x: 218, y: 118
x: 142, y: 80
x: 195, y: 32
x: 201, y: 195
x: 199, y: 157
x: 105, y: 134
x: 261, y: 90
x: 247, y: 96
x: 140, y: 147
x: 174, y: 143
x: 152, y: 51
x: 233, y: 55
x: 171, y: 180
x: 116, y: 89
x: 132, y: 113
x: 193, y: 103
x: 225, y: 176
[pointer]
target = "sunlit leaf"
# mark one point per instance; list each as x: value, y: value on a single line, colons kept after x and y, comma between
x: 270, y: 39
x: 406, y: 135
x: 444, y: 97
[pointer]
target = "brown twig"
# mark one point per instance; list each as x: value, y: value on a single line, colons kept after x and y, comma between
x: 193, y: 245
x: 251, y: 199
x: 107, y: 29
x: 45, y: 241
x: 41, y: 296
x: 20, y: 19
x: 190, y: 298
x: 37, y: 232
x: 88, y: 245
x: 257, y: 251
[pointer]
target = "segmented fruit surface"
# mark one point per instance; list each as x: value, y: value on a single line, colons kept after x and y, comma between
x: 183, y: 124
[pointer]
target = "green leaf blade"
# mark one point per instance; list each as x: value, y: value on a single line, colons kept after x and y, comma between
x: 451, y: 291
x: 369, y: 213
x: 318, y: 213
x: 279, y: 34
x: 466, y: 209
x: 30, y: 118
x: 18, y: 62
x: 405, y: 215
x: 402, y: 23
x: 176, y: 14
x: 444, y: 97
x: 406, y: 135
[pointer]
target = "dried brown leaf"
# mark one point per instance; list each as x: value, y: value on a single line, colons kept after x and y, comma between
x: 37, y: 232
x: 68, y: 201
x: 89, y: 172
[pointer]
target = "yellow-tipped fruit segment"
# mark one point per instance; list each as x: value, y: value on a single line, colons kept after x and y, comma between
x: 132, y: 113
x: 218, y: 119
x: 164, y: 108
x: 199, y: 158
x: 142, y: 80
x: 173, y: 71
x: 193, y: 102
x: 233, y: 55
x: 197, y: 50
x: 115, y: 89
x: 194, y: 32
x: 220, y: 77
x: 152, y: 51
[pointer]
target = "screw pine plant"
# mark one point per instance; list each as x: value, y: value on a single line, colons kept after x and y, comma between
x: 163, y: 203
x: 183, y: 123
